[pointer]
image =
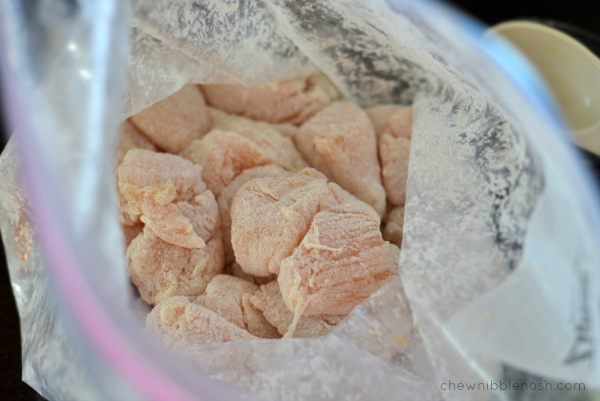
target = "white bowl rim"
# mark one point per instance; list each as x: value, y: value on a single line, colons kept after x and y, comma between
x: 557, y: 34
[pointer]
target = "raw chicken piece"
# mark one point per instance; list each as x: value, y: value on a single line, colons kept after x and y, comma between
x: 127, y: 218
x: 339, y: 263
x: 400, y: 124
x: 293, y: 101
x: 223, y: 155
x: 152, y: 185
x: 165, y: 261
x: 394, y: 154
x: 325, y: 244
x: 236, y: 270
x: 270, y: 302
x: 255, y: 321
x: 132, y: 138
x: 174, y: 122
x: 340, y: 142
x: 231, y: 122
x: 142, y: 168
x: 271, y: 215
x: 380, y: 115
x: 226, y: 198
x: 178, y: 323
x: 161, y: 270
x: 224, y: 296
x: 394, y: 226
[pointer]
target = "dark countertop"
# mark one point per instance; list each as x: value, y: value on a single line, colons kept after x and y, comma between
x: 582, y: 13
x: 10, y: 352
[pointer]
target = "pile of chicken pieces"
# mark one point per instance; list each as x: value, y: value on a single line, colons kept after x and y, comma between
x: 260, y: 213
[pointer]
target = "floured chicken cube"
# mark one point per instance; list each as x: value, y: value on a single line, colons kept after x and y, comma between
x: 226, y: 198
x: 270, y: 215
x: 380, y: 115
x: 324, y: 243
x: 179, y: 323
x: 400, y: 123
x: 340, y: 142
x: 224, y: 294
x: 161, y: 270
x: 394, y: 226
x: 255, y: 321
x: 293, y: 101
x: 236, y: 270
x: 181, y: 247
x: 127, y: 219
x: 339, y: 263
x: 394, y: 153
x: 155, y: 187
x: 132, y: 138
x: 270, y: 302
x: 223, y: 155
x: 174, y: 122
x: 230, y: 122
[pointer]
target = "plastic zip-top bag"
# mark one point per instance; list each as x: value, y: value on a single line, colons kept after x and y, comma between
x: 496, y: 279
